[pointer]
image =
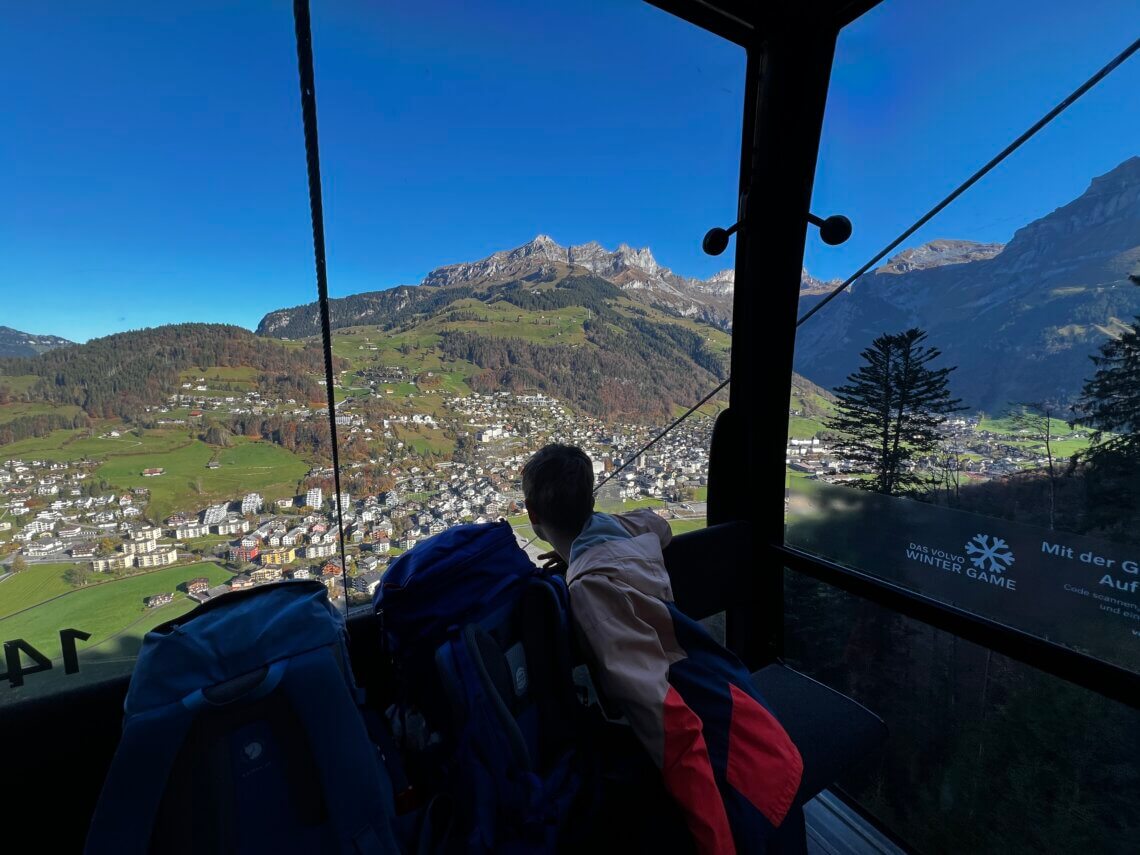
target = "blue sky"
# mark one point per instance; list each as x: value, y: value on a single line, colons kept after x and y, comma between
x: 153, y: 166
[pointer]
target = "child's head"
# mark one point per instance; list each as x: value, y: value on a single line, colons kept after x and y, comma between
x: 558, y: 486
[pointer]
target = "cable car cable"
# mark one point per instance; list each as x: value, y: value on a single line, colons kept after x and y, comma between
x: 313, y: 163
x: 1115, y: 63
x: 661, y: 435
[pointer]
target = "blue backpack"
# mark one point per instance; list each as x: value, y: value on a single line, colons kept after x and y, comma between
x: 242, y: 734
x: 487, y: 709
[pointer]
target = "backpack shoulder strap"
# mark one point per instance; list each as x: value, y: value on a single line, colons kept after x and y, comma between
x: 128, y: 804
x: 358, y: 793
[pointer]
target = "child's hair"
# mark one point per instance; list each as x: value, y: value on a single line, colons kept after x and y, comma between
x: 558, y: 484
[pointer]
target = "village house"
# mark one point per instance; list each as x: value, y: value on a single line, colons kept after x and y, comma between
x: 271, y: 557
x: 366, y: 583
x: 265, y: 574
x: 242, y: 553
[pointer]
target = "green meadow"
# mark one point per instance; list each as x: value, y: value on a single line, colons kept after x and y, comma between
x: 107, y: 610
x: 38, y: 583
x: 188, y: 484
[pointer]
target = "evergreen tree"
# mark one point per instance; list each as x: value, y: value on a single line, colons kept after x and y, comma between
x: 892, y: 409
x: 1110, y: 403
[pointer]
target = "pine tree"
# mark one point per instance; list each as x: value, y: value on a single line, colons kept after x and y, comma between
x: 1110, y: 403
x: 892, y: 409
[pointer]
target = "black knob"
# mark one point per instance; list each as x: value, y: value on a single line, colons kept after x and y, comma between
x: 715, y: 242
x: 835, y: 230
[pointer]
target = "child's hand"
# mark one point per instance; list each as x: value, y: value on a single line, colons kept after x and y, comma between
x: 555, y: 563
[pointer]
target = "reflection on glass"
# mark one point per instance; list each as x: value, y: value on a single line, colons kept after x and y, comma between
x: 1028, y: 512
x: 985, y: 754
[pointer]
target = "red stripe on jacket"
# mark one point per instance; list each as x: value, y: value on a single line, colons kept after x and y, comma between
x: 763, y: 764
x: 688, y: 776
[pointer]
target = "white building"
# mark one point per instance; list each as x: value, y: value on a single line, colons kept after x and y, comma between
x: 137, y: 547
x: 157, y: 559
x: 189, y: 530
x: 252, y: 503
x: 320, y: 550
x: 114, y: 562
x: 236, y: 525
x: 315, y: 497
x: 215, y: 514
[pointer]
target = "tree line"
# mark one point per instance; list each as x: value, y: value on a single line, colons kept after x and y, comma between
x: 118, y: 376
x: 26, y: 427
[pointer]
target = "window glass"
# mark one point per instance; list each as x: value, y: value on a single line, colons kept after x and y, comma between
x: 964, y: 418
x: 984, y: 754
x: 513, y: 211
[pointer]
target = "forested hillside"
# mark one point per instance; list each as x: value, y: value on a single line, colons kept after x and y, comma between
x: 119, y: 375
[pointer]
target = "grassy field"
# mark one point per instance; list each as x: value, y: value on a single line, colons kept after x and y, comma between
x: 801, y: 427
x: 682, y: 526
x: 16, y: 410
x: 424, y: 439
x: 46, y: 447
x: 247, y: 466
x: 38, y: 583
x: 1062, y: 448
x: 243, y: 375
x: 18, y: 384
x: 628, y: 505
x: 107, y: 610
x: 187, y: 484
x: 64, y: 445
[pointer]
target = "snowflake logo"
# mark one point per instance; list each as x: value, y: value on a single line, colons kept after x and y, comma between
x: 983, y: 548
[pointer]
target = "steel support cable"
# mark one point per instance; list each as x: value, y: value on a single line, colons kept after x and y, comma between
x: 661, y: 435
x: 1111, y: 66
x: 316, y: 210
x: 1115, y: 63
x: 652, y: 442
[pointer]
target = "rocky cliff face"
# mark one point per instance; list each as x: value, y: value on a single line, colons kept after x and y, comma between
x: 938, y: 253
x: 634, y: 270
x: 1019, y: 321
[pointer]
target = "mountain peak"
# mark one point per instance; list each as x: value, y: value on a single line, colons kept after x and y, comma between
x: 1109, y: 207
x: 19, y: 343
x: 1128, y: 171
x: 543, y: 246
x: 640, y: 258
x: 938, y: 253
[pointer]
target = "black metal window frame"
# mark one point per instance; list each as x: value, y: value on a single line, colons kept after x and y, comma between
x: 790, y: 54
